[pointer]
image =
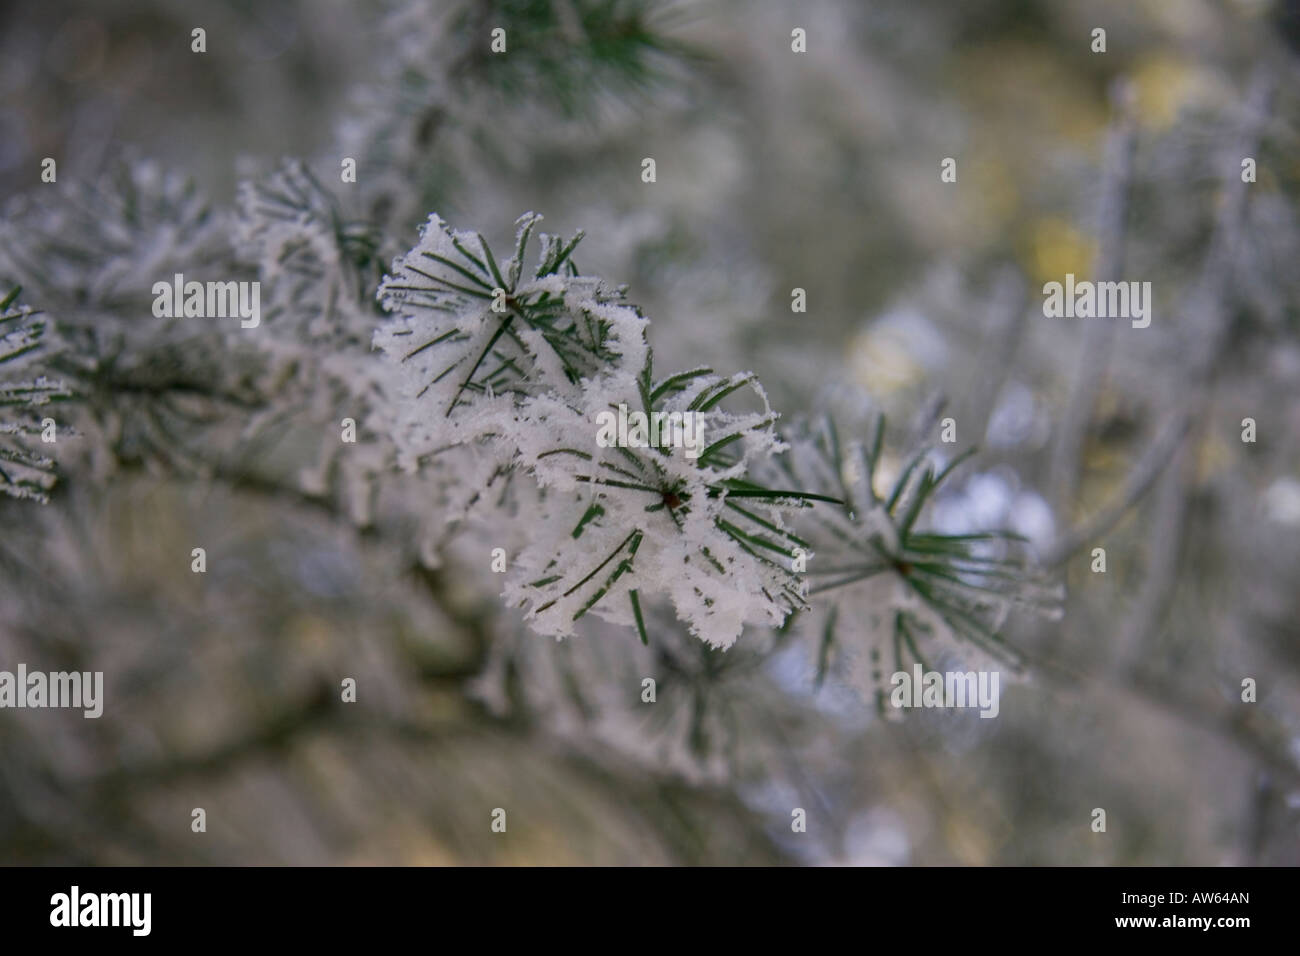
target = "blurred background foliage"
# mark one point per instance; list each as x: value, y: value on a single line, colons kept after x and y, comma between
x: 775, y: 170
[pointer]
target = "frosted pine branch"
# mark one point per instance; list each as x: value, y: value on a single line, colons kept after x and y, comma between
x: 25, y: 393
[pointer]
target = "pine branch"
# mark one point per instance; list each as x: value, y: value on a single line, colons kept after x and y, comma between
x: 25, y: 424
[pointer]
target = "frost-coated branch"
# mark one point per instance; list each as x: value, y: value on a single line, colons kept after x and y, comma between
x: 524, y: 365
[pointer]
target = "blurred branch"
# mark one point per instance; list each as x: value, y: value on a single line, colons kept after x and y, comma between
x: 1235, y: 724
x: 272, y: 733
x: 1207, y: 326
x: 998, y: 350
x: 1071, y: 437
x: 1138, y: 482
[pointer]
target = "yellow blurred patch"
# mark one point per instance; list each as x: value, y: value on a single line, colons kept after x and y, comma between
x: 1212, y: 457
x: 1021, y: 87
x: 1056, y: 247
x: 1162, y: 86
x: 311, y: 636
x: 995, y: 195
x: 881, y: 361
x: 402, y: 843
x: 967, y: 841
